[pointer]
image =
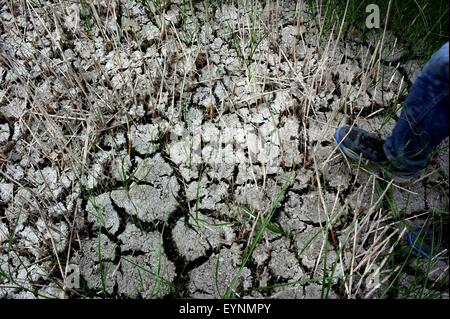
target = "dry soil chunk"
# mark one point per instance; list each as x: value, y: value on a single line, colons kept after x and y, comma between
x: 408, y: 202
x: 189, y: 243
x: 291, y: 217
x: 316, y: 291
x: 147, y: 202
x: 144, y: 138
x: 308, y: 244
x: 283, y: 262
x: 95, y: 262
x: 152, y: 169
x: 4, y: 133
x: 201, y: 234
x: 6, y: 192
x: 312, y: 208
x: 442, y: 157
x: 102, y: 213
x: 134, y: 239
x: 208, y: 282
x: 146, y: 276
x: 289, y: 292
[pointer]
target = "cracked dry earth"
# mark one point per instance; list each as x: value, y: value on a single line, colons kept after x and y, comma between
x: 141, y: 147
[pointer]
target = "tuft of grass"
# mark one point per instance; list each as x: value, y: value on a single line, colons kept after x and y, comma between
x: 247, y: 38
x: 86, y: 17
x: 427, y: 20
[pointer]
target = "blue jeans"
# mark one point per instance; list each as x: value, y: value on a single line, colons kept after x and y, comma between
x: 424, y: 120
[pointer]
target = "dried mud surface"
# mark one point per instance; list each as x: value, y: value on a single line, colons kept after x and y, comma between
x: 142, y: 153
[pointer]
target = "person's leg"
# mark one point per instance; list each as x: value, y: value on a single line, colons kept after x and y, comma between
x: 424, y: 121
x: 423, y: 124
